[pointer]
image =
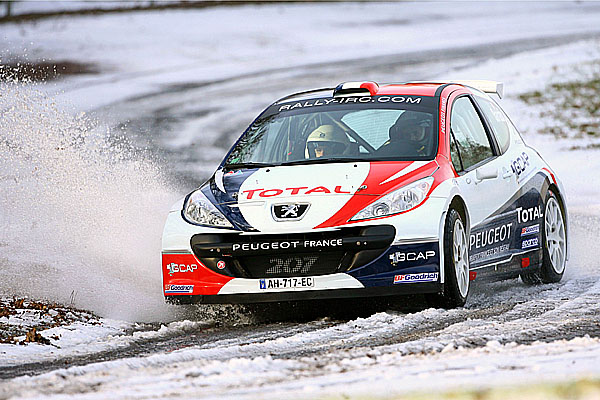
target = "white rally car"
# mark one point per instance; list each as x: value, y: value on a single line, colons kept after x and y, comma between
x: 366, y: 190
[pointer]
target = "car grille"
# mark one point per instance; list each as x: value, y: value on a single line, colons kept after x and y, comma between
x: 287, y: 265
x: 309, y: 254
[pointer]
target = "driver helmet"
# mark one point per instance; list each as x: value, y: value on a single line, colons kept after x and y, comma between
x: 325, y: 141
x: 411, y: 126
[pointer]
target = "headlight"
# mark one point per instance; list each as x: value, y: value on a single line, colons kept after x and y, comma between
x: 199, y: 210
x: 399, y: 200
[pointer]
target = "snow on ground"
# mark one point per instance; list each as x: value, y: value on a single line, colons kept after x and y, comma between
x: 86, y: 337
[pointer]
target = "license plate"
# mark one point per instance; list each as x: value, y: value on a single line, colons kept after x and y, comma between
x: 286, y: 283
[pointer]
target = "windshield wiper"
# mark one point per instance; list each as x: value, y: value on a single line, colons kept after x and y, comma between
x: 247, y: 165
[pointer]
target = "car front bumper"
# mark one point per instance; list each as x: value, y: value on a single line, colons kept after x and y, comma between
x: 197, y: 261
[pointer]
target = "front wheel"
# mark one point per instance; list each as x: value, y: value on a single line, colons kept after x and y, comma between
x: 456, y: 264
x: 554, y: 245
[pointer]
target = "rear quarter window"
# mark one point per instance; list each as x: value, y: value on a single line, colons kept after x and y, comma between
x: 500, y: 124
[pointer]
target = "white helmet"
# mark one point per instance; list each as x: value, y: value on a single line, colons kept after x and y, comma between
x: 326, y: 140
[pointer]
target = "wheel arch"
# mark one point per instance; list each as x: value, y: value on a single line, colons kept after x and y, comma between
x: 455, y: 202
x: 459, y: 205
x: 563, y: 208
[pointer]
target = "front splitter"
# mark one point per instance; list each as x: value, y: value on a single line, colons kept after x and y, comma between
x: 247, y: 298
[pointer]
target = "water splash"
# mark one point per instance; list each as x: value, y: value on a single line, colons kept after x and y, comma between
x: 81, y: 214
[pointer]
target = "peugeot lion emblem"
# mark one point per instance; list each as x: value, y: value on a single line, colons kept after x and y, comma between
x: 289, y: 211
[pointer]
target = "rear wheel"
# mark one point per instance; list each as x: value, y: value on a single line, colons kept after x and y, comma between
x: 456, y: 264
x: 554, y: 245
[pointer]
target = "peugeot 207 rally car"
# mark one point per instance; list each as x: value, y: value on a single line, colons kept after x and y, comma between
x: 366, y: 190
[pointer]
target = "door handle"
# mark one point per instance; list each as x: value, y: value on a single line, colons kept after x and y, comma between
x: 507, y: 174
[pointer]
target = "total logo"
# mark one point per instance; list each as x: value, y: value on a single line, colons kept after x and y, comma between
x: 416, y: 278
x: 399, y: 257
x: 293, y: 191
x: 174, y: 267
x: 529, y: 214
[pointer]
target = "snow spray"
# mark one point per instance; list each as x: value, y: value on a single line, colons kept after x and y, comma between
x: 81, y: 214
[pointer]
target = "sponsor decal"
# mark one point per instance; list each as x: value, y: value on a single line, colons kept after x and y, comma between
x: 520, y: 164
x: 399, y: 257
x: 179, y: 289
x: 487, y: 254
x: 174, y: 268
x: 347, y: 100
x: 443, y: 116
x: 530, y: 230
x: 289, y: 212
x: 234, y: 172
x: 533, y: 242
x: 490, y: 237
x: 265, y: 193
x: 287, y: 245
x: 529, y: 214
x: 416, y: 278
x: 221, y: 264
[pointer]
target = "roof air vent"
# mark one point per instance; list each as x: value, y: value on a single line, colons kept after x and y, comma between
x: 348, y: 89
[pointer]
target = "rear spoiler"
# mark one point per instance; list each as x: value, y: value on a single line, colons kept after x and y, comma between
x: 485, y: 86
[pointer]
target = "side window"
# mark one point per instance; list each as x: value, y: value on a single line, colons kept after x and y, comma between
x: 469, y: 139
x: 501, y: 125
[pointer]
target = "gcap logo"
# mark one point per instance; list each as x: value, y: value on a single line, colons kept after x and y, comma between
x: 174, y: 267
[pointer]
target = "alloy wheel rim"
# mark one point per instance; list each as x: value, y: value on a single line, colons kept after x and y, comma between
x: 461, y: 265
x: 555, y: 236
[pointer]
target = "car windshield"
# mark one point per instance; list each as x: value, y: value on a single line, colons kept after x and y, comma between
x: 374, y: 128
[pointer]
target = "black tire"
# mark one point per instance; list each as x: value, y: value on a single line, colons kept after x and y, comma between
x: 451, y: 296
x: 549, y: 272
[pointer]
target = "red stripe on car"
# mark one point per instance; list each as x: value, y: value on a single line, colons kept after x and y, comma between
x: 380, y: 171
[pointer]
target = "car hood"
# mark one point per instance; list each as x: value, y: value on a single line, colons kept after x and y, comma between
x: 317, y: 191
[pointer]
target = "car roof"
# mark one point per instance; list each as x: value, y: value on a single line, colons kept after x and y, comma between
x: 367, y: 88
x: 415, y: 89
